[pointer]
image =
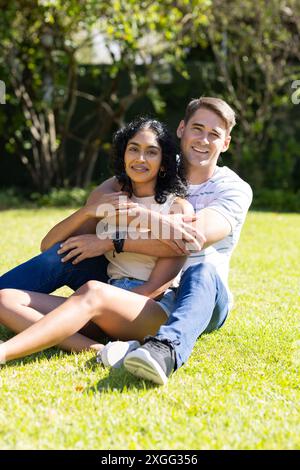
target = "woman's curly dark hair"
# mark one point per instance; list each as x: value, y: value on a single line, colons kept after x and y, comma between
x: 173, y: 180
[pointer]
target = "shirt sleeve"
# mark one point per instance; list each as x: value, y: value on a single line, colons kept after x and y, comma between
x: 232, y: 200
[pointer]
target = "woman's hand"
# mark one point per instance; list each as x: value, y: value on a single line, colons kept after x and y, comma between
x: 108, y: 205
x: 84, y: 246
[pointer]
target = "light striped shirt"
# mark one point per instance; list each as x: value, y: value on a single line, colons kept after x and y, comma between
x: 226, y: 193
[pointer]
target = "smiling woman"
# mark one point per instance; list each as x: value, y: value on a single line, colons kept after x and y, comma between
x: 143, y: 162
x: 147, y: 169
x: 149, y: 150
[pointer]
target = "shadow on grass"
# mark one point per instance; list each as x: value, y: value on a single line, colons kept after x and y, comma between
x: 117, y: 380
x: 35, y: 358
x: 6, y: 334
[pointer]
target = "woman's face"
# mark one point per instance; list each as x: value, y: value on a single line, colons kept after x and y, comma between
x: 143, y: 157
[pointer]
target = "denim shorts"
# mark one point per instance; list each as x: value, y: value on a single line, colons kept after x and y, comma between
x: 167, y: 301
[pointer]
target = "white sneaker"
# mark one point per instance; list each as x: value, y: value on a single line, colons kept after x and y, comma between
x: 114, y: 352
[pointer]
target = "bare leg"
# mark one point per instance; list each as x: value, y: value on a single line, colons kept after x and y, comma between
x: 122, y: 314
x: 20, y: 309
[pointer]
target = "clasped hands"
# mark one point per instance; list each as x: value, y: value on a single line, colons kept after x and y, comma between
x: 176, y: 230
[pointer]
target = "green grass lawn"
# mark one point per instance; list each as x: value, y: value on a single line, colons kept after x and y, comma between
x: 239, y: 390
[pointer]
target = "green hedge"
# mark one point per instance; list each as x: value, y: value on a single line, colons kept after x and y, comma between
x: 62, y: 197
x: 277, y: 200
x: 12, y: 198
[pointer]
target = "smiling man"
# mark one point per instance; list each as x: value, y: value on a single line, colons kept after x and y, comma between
x: 220, y: 199
x: 203, y: 137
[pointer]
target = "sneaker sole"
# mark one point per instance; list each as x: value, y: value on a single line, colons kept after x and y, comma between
x: 141, y: 364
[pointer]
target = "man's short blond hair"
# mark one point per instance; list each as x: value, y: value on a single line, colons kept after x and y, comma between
x: 218, y: 106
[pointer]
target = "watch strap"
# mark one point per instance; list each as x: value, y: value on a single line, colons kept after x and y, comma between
x: 118, y: 242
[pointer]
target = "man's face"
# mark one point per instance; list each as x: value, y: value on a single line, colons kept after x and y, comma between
x: 203, y: 138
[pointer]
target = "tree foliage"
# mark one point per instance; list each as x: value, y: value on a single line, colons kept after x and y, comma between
x: 255, y: 47
x: 44, y: 43
x: 248, y: 53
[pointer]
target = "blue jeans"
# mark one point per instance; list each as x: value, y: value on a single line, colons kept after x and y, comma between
x: 201, y: 306
x: 201, y: 303
x: 45, y: 273
x: 167, y: 301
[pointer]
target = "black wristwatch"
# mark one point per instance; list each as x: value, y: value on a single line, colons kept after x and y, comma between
x: 118, y: 242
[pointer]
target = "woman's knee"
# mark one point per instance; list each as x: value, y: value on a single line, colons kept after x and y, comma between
x: 90, y: 287
x: 92, y: 293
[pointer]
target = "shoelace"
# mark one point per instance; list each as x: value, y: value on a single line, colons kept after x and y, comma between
x: 164, y: 344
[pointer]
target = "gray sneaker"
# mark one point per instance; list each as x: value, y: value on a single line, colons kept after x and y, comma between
x: 114, y: 352
x: 153, y: 361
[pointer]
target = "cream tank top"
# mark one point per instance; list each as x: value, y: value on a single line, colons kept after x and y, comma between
x: 135, y: 265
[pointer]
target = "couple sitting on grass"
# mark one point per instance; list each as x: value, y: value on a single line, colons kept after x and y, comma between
x: 149, y: 268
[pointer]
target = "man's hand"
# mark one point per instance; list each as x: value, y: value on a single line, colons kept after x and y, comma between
x: 84, y: 246
x: 179, y: 232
